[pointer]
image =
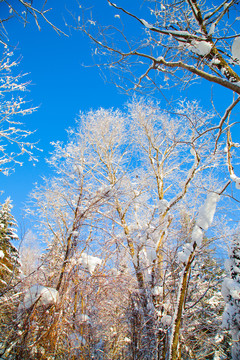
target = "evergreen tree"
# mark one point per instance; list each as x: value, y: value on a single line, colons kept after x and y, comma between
x: 8, y: 253
x: 231, y: 294
x: 9, y: 271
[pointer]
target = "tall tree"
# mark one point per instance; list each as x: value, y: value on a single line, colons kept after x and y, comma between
x: 9, y: 265
x: 231, y: 294
x: 121, y: 184
x: 9, y: 270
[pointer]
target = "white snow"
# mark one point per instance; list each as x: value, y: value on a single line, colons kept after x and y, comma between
x: 163, y: 205
x: 192, y: 151
x: 197, y: 235
x: 213, y: 301
x: 166, y: 320
x: 225, y: 6
x: 179, y: 33
x: 14, y: 235
x: 183, y: 257
x: 147, y: 255
x: 89, y: 262
x: 151, y: 255
x: 236, y: 180
x: 188, y: 248
x: 219, y: 338
x: 157, y: 290
x: 215, y: 61
x: 236, y: 48
x: 76, y: 339
x: 203, y: 221
x: 78, y: 168
x: 44, y: 296
x: 145, y: 23
x: 231, y: 295
x: 206, y: 212
x: 235, y: 293
x: 228, y: 312
x: 83, y: 318
x: 230, y: 287
x: 201, y: 48
x: 228, y: 264
x: 1, y: 254
x: 75, y: 233
x: 212, y: 29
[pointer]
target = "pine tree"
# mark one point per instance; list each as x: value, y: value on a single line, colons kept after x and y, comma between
x: 9, y: 272
x: 9, y: 264
x: 231, y: 294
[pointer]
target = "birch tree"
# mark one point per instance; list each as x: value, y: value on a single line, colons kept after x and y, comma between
x: 114, y: 211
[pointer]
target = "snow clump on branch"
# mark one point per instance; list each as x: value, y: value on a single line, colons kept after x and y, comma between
x: 236, y: 180
x: 204, y: 220
x: 39, y: 295
x: 202, y: 48
x: 89, y: 262
x: 236, y: 49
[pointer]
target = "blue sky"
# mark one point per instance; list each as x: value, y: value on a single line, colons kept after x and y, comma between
x: 61, y: 87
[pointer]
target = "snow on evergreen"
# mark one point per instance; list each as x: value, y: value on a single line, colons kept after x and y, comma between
x: 8, y: 252
x: 231, y: 295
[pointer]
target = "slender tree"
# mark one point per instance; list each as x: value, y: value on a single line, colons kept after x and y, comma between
x: 9, y: 265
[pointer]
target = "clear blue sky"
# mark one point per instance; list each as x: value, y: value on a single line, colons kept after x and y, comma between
x: 61, y: 87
